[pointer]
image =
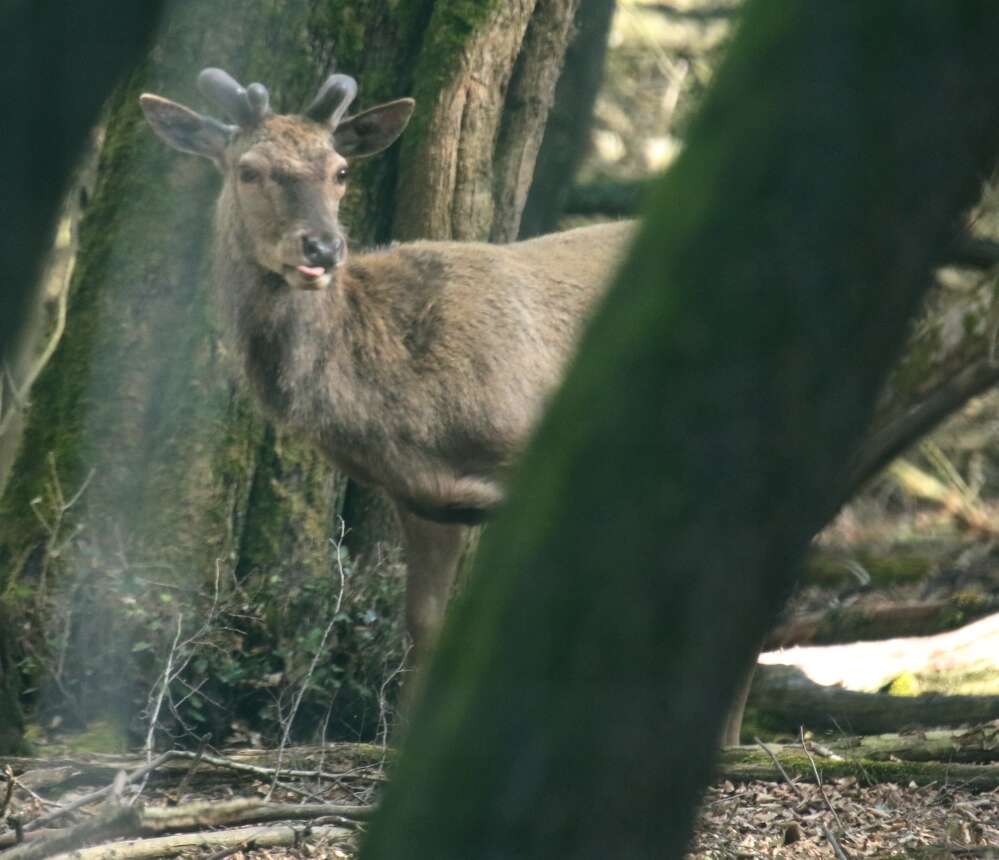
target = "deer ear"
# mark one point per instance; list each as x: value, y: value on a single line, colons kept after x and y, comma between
x: 372, y: 130
x: 186, y: 130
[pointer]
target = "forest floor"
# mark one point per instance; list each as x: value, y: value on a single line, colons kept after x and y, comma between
x: 201, y: 809
x: 765, y: 819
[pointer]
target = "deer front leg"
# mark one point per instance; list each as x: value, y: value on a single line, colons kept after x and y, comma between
x: 433, y: 551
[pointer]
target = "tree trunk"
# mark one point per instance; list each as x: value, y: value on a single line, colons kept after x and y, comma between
x: 566, y: 138
x: 144, y: 469
x: 700, y: 440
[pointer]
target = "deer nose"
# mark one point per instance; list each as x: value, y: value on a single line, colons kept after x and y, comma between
x: 320, y: 251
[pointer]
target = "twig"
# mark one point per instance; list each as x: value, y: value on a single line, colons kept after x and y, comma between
x: 300, y: 693
x: 164, y: 686
x: 8, y: 773
x: 834, y: 842
x: 257, y: 770
x: 41, y: 801
x: 818, y: 781
x: 892, y: 439
x: 383, y: 705
x: 794, y: 786
x: 195, y: 761
x: 19, y: 393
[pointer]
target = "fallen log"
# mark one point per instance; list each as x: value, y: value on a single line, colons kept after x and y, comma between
x: 118, y: 821
x: 247, y: 839
x: 872, y: 665
x: 785, y: 698
x: 872, y: 623
x: 745, y: 763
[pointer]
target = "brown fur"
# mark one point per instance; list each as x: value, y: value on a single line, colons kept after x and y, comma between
x: 420, y: 368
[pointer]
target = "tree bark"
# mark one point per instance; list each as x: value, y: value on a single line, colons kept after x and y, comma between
x: 773, y: 280
x: 566, y: 137
x: 528, y: 104
x: 467, y: 58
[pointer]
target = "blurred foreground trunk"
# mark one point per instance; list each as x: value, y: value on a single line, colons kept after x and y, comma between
x: 58, y: 65
x: 701, y: 440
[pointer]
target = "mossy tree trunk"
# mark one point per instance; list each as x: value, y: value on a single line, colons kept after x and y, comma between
x: 143, y: 468
x: 701, y: 439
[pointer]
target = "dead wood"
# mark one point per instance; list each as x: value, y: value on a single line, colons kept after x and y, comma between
x: 110, y: 823
x: 871, y: 666
x: 856, y: 623
x: 163, y: 819
x: 173, y: 766
x: 790, y: 699
x: 741, y: 764
x: 235, y: 839
x: 979, y: 745
x: 136, y: 821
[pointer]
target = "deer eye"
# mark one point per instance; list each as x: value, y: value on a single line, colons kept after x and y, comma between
x: 248, y: 174
x: 342, y: 175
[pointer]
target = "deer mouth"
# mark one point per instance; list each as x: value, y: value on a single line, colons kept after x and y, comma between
x: 308, y: 277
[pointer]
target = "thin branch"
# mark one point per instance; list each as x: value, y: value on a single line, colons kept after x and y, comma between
x: 834, y: 842
x: 164, y: 685
x: 19, y: 393
x: 794, y: 786
x: 265, y: 772
x: 884, y: 445
x: 195, y: 761
x: 320, y: 651
x: 818, y: 781
x: 8, y: 774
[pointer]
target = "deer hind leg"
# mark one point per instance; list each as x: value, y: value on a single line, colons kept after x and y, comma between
x: 433, y: 551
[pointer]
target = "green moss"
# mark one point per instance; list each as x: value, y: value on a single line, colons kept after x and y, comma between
x: 452, y: 25
x: 917, y: 364
x: 291, y: 509
x: 100, y: 736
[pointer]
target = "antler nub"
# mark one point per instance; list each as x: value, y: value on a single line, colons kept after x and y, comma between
x: 246, y: 106
x: 260, y: 100
x: 333, y: 99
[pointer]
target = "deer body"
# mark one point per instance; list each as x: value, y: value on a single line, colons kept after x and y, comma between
x: 424, y: 368
x: 420, y: 368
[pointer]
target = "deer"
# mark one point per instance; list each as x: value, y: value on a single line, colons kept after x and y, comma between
x: 420, y: 368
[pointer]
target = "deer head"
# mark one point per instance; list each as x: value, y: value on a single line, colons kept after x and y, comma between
x: 283, y: 175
